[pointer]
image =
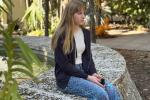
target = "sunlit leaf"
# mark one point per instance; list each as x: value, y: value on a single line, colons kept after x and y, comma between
x: 2, y: 8
x: 23, y: 65
x: 23, y: 71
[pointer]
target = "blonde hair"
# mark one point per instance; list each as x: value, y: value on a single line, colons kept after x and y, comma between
x: 66, y: 26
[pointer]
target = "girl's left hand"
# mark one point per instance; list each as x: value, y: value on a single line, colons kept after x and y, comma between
x: 98, y: 76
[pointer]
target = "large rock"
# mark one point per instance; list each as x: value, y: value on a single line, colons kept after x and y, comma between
x: 107, y: 61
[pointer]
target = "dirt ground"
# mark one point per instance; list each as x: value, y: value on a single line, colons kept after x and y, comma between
x: 138, y: 64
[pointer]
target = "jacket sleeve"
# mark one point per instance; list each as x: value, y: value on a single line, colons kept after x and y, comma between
x: 92, y: 68
x: 62, y: 60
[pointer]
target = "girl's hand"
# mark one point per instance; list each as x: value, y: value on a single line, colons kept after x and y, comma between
x: 94, y: 80
x: 98, y: 76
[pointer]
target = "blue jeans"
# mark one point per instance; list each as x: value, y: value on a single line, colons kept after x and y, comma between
x: 90, y: 90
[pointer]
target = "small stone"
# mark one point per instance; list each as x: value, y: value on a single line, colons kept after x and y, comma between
x: 145, y: 89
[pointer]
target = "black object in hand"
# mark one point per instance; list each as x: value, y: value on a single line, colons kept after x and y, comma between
x: 102, y: 81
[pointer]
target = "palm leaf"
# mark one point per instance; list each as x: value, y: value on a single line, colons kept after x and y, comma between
x: 23, y: 65
x: 27, y: 52
x: 11, y: 27
x: 33, y: 15
x: 23, y: 71
x: 8, y: 4
x: 2, y: 8
x: 28, y: 11
x: 14, y: 95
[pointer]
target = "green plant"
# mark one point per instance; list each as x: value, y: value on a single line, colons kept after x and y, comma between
x: 33, y: 17
x: 36, y: 33
x: 9, y: 90
x: 7, y: 3
x: 138, y: 10
x: 54, y: 23
x: 5, y: 6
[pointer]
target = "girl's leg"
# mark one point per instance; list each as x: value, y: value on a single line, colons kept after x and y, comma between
x: 85, y: 88
x: 112, y: 91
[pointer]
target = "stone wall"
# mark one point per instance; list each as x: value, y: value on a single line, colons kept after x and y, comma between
x: 107, y: 61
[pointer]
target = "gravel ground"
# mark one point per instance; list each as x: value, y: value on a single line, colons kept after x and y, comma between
x: 138, y: 64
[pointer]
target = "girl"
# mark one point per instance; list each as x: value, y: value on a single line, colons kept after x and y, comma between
x: 74, y: 67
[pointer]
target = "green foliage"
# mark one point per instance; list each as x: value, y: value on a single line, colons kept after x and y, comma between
x: 138, y: 10
x: 54, y: 6
x: 36, y: 33
x: 33, y: 17
x: 54, y: 24
x: 28, y: 58
x: 6, y: 4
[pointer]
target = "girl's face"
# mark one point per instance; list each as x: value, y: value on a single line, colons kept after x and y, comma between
x: 79, y: 17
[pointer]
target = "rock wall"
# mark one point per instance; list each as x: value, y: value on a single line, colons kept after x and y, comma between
x: 107, y: 61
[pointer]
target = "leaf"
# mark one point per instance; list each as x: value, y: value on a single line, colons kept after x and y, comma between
x: 11, y: 27
x: 13, y: 91
x: 8, y: 4
x: 28, y: 11
x: 116, y: 6
x: 2, y: 8
x: 23, y: 71
x: 23, y: 65
x: 27, y: 53
x: 127, y: 10
x: 10, y: 91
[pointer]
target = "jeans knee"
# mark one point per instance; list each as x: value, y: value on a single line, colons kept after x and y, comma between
x: 102, y: 95
x: 113, y: 93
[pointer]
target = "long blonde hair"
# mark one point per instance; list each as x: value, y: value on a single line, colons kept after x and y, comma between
x: 66, y: 26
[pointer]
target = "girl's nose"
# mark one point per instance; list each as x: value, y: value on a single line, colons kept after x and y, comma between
x: 83, y: 16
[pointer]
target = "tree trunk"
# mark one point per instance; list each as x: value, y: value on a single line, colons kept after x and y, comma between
x: 98, y: 16
x: 92, y: 21
x: 46, y: 19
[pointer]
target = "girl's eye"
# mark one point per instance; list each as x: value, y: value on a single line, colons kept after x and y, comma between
x: 80, y: 13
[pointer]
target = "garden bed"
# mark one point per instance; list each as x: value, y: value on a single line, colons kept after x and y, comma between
x: 138, y: 65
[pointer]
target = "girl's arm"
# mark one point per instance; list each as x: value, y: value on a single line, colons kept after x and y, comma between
x: 63, y: 62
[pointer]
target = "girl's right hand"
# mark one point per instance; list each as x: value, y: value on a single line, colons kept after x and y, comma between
x: 94, y: 80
